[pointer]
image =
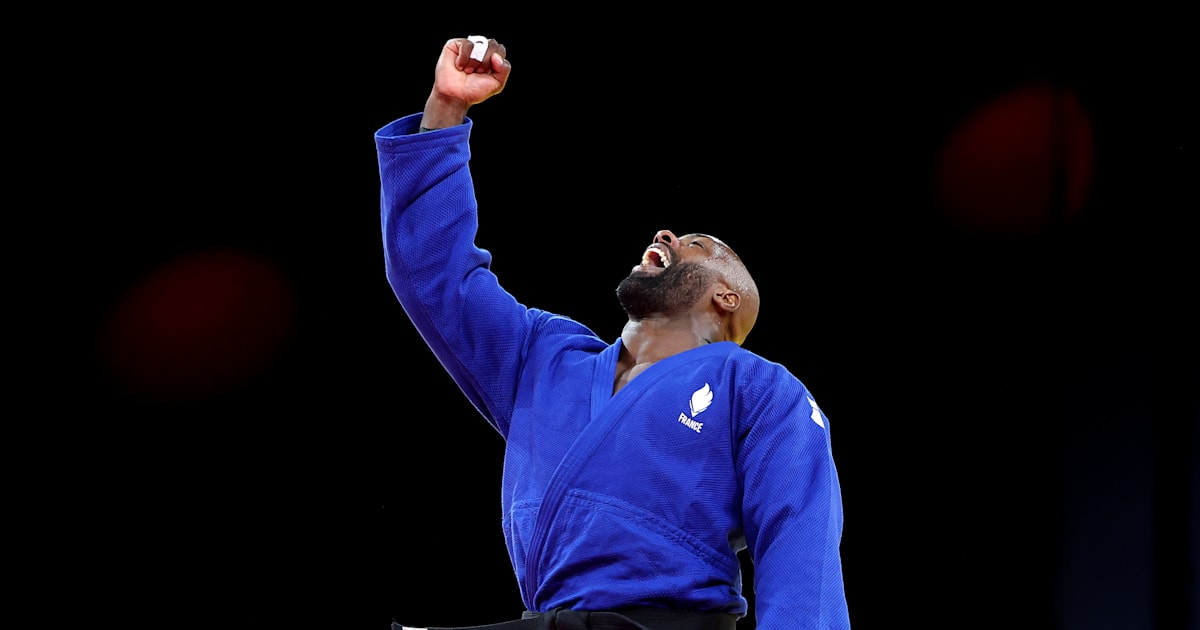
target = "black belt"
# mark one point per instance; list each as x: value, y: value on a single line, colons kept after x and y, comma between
x: 630, y: 619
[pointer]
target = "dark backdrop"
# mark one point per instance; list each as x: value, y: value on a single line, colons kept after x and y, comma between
x: 996, y: 312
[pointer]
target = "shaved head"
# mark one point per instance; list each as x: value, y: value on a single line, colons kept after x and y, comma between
x: 738, y: 278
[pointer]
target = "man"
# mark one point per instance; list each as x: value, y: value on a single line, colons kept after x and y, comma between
x: 637, y: 469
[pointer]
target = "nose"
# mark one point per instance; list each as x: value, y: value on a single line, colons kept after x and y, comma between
x: 666, y: 237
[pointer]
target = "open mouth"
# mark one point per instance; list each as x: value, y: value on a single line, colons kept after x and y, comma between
x: 654, y: 256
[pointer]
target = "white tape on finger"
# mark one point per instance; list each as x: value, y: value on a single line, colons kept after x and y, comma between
x: 481, y: 46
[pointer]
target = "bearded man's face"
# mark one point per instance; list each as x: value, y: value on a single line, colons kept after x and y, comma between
x: 671, y: 291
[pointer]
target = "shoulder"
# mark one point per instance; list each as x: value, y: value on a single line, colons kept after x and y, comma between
x: 559, y: 333
x: 753, y: 365
x: 762, y: 381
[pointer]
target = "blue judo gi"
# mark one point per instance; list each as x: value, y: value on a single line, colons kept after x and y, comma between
x: 641, y: 498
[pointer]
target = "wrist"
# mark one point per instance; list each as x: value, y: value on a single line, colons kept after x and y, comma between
x: 441, y: 112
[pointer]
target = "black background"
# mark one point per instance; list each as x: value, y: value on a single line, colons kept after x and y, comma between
x: 1013, y: 416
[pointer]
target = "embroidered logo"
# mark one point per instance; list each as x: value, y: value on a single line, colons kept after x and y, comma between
x: 816, y: 413
x: 701, y: 399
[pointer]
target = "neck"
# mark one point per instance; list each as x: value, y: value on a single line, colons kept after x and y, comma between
x: 648, y: 341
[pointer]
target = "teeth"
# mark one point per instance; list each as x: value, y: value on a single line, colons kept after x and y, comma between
x: 656, y: 258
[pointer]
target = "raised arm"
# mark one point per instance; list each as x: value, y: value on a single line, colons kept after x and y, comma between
x: 429, y: 221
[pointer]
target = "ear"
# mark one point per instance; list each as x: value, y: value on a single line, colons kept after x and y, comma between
x: 727, y: 299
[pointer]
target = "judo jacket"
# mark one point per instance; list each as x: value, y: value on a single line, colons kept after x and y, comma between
x: 642, y: 498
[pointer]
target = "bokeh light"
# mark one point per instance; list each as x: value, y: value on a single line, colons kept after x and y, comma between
x: 1019, y: 165
x: 202, y: 324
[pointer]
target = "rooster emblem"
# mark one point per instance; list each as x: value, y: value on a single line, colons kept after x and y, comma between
x: 701, y: 399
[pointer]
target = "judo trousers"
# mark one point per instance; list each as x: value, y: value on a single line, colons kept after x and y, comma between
x: 640, y: 619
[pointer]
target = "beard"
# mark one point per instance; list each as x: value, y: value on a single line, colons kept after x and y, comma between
x: 673, y: 291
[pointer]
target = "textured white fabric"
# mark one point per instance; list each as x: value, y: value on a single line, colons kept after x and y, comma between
x: 481, y: 46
